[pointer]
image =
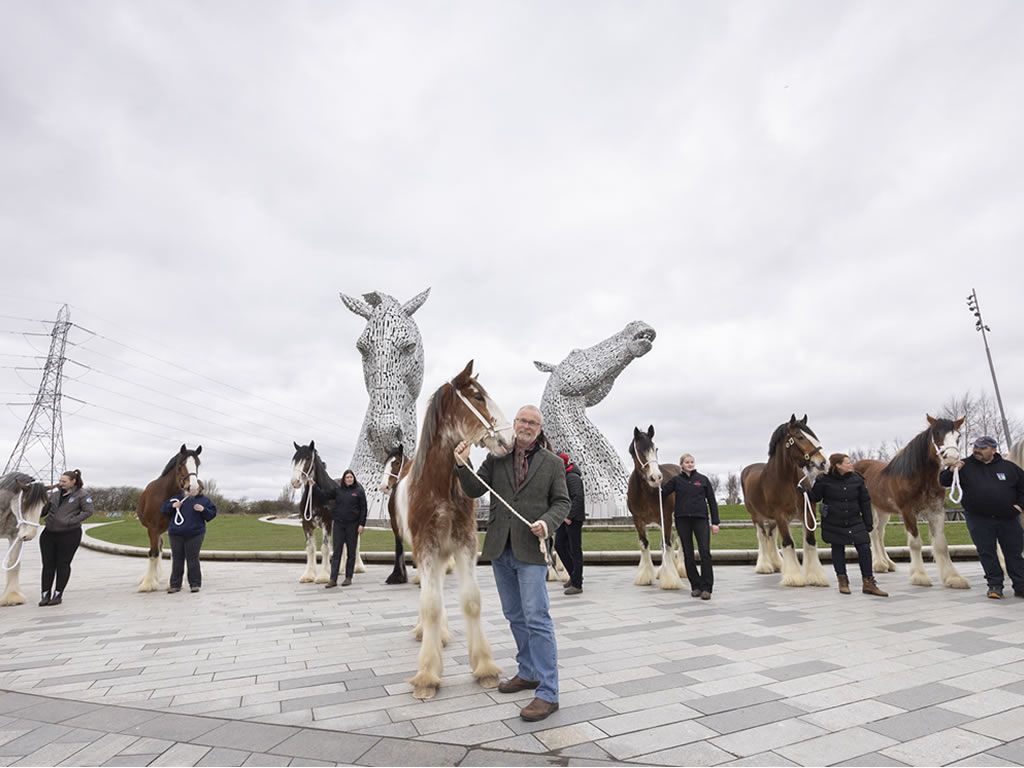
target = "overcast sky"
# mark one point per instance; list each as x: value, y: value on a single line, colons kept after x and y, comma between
x: 797, y: 196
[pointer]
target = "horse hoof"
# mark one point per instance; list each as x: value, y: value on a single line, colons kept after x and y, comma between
x: 489, y: 681
x: 643, y: 581
x: 306, y: 580
x: 793, y: 581
x: 958, y: 582
x: 920, y: 580
x: 393, y: 579
x: 322, y: 579
x: 764, y: 569
x: 424, y: 692
x: 14, y: 598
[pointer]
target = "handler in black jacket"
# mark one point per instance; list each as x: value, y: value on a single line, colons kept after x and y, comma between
x: 569, y: 536
x: 348, y: 512
x: 846, y: 518
x: 993, y: 498
x: 694, y: 499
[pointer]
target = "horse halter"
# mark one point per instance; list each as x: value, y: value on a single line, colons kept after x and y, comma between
x: 308, y: 474
x: 488, y: 425
x: 644, y: 464
x: 807, y: 456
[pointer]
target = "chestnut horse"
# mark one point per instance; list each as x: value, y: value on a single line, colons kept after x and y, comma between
x: 441, y: 522
x: 773, y: 499
x: 909, y: 486
x: 180, y: 474
x: 308, y: 468
x: 642, y: 500
x: 22, y: 500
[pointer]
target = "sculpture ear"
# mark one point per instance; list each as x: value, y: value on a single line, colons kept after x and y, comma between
x: 358, y: 306
x: 544, y: 367
x: 650, y: 431
x: 415, y: 303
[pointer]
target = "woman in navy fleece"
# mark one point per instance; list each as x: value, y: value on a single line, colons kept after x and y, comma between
x: 189, y: 516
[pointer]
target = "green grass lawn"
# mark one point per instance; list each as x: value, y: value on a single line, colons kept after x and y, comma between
x: 242, y: 532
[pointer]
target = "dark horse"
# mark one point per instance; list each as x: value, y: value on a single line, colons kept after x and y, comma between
x: 180, y: 474
x: 642, y: 496
x: 441, y: 522
x: 307, y: 469
x: 396, y: 467
x: 773, y: 499
x: 909, y: 486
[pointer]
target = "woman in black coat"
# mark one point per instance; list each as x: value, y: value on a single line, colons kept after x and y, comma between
x: 348, y: 512
x: 846, y: 519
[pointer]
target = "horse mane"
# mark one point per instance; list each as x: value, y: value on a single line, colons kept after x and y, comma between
x: 36, y: 490
x: 175, y: 460
x: 431, y: 427
x: 780, y: 433
x: 914, y: 457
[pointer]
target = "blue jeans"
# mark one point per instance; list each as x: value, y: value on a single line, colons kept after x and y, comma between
x: 523, y: 590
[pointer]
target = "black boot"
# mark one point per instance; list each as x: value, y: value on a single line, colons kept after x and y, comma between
x: 56, y: 599
x: 45, y: 599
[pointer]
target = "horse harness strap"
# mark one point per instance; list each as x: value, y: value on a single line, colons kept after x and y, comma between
x: 488, y: 425
x: 956, y: 491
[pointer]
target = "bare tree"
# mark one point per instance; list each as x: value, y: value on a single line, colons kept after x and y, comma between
x: 884, y: 451
x: 716, y: 483
x: 981, y: 415
x: 732, y: 489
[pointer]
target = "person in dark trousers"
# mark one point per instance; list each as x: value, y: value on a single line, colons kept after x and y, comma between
x: 569, y: 536
x: 695, y: 498
x: 348, y: 511
x: 993, y: 498
x: 69, y: 506
x: 846, y: 520
x: 187, y: 529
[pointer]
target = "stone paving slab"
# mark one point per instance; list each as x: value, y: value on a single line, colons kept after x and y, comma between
x: 266, y: 671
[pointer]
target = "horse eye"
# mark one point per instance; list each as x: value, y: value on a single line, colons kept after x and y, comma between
x: 478, y: 397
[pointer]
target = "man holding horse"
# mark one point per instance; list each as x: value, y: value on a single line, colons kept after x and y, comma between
x: 993, y: 499
x: 532, y: 480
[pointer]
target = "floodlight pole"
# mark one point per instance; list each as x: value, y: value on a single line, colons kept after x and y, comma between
x: 979, y: 325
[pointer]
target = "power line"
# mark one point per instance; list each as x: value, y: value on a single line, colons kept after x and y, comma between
x: 178, y: 366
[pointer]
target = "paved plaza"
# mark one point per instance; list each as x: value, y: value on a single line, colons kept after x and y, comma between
x: 258, y: 669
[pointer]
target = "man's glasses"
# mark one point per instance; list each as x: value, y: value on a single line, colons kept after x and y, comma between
x: 528, y: 422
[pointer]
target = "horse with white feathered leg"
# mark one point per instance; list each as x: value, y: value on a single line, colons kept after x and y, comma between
x: 22, y: 500
x: 648, y: 507
x: 308, y: 469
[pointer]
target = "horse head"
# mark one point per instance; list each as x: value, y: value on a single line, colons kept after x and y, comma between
x: 392, y: 354
x: 303, y: 464
x: 645, y: 456
x: 480, y: 420
x: 800, y: 445
x: 186, y: 467
x: 588, y: 374
x: 27, y: 504
x: 396, y: 461
x: 945, y: 436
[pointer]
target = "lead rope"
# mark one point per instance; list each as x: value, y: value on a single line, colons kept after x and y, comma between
x: 307, y: 513
x: 956, y: 491
x: 497, y: 495
x: 179, y: 519
x: 16, y: 510
x: 808, y: 508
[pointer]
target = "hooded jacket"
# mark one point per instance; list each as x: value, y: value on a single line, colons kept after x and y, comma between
x: 68, y: 511
x: 990, y: 490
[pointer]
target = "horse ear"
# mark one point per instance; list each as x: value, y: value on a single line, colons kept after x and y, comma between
x: 636, y: 432
x: 959, y: 422
x: 22, y: 485
x: 650, y: 431
x: 544, y: 367
x: 792, y: 420
x: 931, y: 421
x: 358, y: 306
x: 312, y: 445
x: 415, y: 303
x: 296, y: 445
x: 465, y: 373
x: 199, y: 449
x: 183, y: 449
x: 804, y: 420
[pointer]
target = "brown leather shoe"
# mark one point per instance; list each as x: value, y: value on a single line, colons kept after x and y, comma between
x: 844, y: 584
x: 517, y: 684
x: 871, y: 588
x: 538, y: 709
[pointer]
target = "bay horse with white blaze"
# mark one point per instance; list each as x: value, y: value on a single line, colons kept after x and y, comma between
x: 22, y: 500
x: 180, y: 474
x: 441, y: 523
x: 774, y: 499
x: 395, y: 468
x: 643, y: 493
x: 909, y: 486
x: 309, y: 469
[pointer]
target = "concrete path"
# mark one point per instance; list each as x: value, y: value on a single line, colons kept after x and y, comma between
x: 258, y: 669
